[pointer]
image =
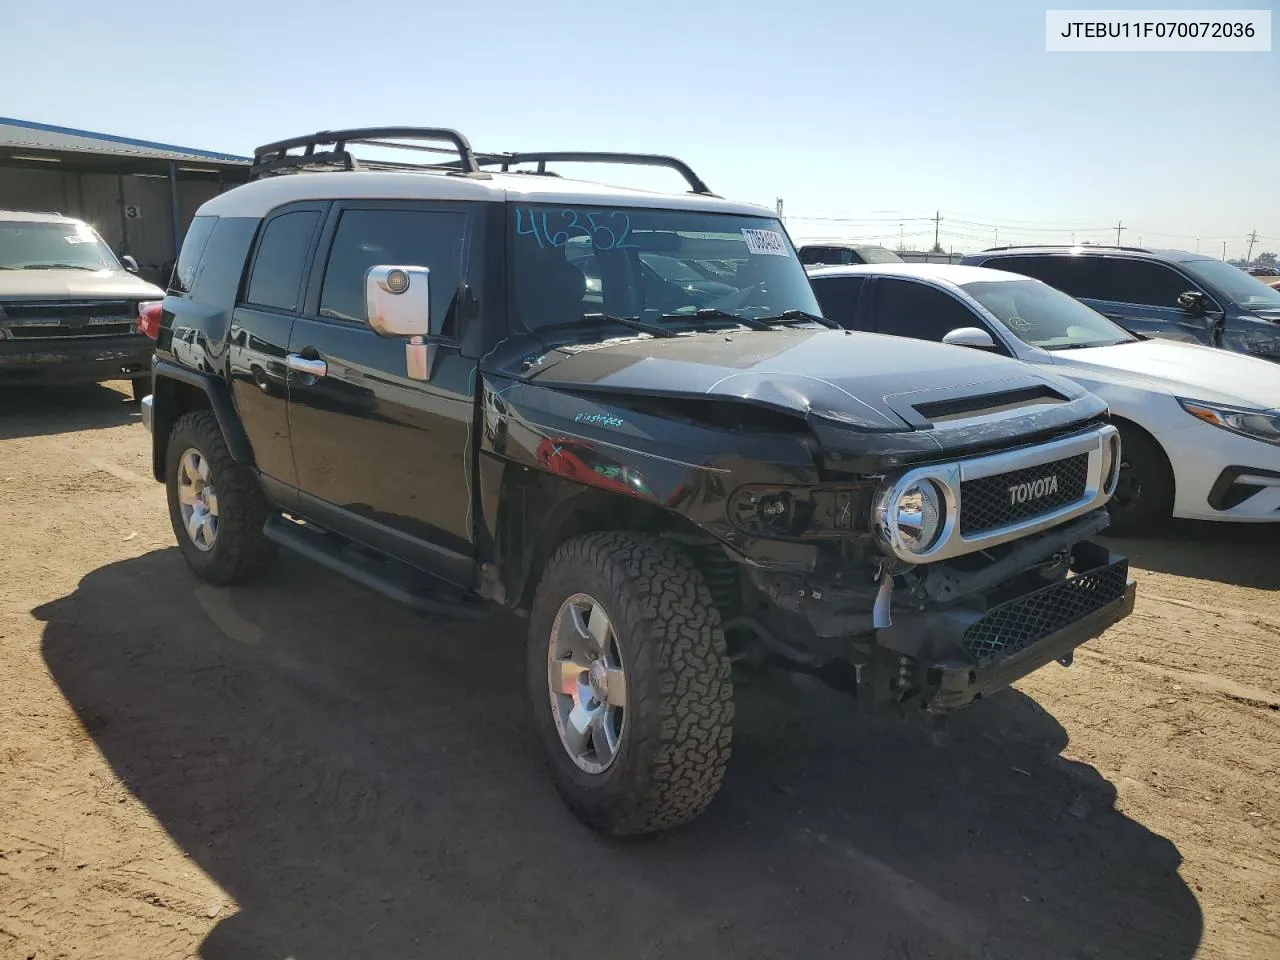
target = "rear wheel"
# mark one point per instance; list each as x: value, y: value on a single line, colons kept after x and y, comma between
x: 1144, y: 490
x: 630, y: 683
x: 215, y: 504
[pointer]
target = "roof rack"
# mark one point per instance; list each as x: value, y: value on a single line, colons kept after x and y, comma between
x: 541, y: 158
x: 1066, y: 246
x: 273, y: 157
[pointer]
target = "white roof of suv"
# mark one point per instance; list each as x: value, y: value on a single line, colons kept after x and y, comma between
x: 30, y: 216
x: 952, y: 273
x: 259, y: 197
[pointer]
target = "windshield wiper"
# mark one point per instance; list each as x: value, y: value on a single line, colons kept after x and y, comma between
x: 596, y: 319
x: 713, y: 313
x: 58, y: 266
x: 797, y: 316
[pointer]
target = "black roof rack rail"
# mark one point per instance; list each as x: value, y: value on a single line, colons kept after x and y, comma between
x: 1067, y: 246
x: 272, y: 157
x: 541, y: 158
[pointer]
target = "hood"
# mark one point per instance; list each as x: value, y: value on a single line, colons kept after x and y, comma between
x: 75, y: 284
x: 1182, y: 369
x: 844, y: 384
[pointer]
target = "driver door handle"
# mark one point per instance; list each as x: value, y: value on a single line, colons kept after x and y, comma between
x: 295, y: 361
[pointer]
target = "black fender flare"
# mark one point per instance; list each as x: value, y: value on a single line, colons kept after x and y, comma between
x: 168, y: 408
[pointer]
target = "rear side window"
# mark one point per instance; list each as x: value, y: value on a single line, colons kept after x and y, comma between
x: 1142, y: 282
x: 184, y: 274
x: 1074, y: 275
x: 421, y: 238
x: 838, y: 297
x: 830, y: 256
x: 907, y: 309
x: 276, y: 280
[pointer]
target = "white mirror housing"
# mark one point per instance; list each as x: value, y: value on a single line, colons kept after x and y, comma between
x: 398, y: 300
x: 970, y: 337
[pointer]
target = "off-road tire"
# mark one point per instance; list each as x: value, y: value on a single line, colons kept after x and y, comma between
x: 241, y: 551
x: 679, y: 724
x: 1144, y: 464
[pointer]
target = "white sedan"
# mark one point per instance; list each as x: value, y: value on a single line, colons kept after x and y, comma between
x: 1200, y: 427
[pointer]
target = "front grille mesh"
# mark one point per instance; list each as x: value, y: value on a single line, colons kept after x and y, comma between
x: 1018, y: 624
x: 986, y: 504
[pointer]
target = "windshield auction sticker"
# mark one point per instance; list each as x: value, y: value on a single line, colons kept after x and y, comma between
x: 768, y: 243
x: 1157, y: 31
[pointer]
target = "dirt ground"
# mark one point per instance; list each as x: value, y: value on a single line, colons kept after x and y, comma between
x: 302, y: 769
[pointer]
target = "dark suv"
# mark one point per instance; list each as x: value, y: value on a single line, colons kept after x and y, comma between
x: 404, y: 374
x: 1157, y: 293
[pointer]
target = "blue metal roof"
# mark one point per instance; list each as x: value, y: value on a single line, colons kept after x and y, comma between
x: 26, y: 134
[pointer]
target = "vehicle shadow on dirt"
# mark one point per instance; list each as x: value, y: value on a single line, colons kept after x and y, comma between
x: 38, y: 410
x: 362, y: 782
x: 1243, y: 554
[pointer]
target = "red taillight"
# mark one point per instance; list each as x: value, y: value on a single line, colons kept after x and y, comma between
x: 149, y: 313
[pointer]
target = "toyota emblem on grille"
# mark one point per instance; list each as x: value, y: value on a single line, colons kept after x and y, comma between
x: 1022, y: 492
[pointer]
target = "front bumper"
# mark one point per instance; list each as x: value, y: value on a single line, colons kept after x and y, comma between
x: 962, y: 655
x: 75, y: 360
x: 1208, y: 464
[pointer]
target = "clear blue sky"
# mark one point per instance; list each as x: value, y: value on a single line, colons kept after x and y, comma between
x: 883, y: 112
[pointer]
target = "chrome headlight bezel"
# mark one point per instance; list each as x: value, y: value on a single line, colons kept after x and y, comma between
x: 1243, y: 421
x: 891, y: 522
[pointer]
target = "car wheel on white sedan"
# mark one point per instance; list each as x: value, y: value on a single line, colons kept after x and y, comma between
x: 1145, y: 489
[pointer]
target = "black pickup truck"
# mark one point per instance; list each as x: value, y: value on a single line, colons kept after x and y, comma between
x: 465, y: 386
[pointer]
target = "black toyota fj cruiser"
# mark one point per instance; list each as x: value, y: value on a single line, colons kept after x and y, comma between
x: 462, y: 384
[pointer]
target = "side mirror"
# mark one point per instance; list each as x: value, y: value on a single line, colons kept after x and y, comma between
x: 398, y: 301
x: 970, y: 337
x: 1193, y: 302
x: 129, y: 263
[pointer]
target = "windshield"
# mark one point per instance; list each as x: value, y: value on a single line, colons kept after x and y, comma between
x: 31, y: 245
x: 1043, y: 317
x: 1234, y: 283
x: 660, y: 266
x: 878, y: 255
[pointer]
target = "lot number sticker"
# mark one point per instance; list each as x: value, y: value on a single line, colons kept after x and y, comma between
x: 765, y: 242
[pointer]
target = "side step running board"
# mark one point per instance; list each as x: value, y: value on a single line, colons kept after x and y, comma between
x: 393, y: 580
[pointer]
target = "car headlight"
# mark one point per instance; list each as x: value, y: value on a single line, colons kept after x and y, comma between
x: 910, y: 518
x: 1261, y: 425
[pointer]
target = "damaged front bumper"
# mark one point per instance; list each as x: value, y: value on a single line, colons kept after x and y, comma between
x: 955, y: 655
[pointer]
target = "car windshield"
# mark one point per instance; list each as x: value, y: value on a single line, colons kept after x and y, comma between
x: 878, y: 255
x: 33, y: 245
x: 659, y: 266
x: 1247, y: 291
x: 1043, y: 317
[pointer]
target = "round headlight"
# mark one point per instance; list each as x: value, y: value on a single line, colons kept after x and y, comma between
x: 919, y: 514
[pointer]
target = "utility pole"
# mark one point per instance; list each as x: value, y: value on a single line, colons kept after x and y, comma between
x: 901, y: 239
x: 997, y: 243
x: 1253, y: 238
x: 1197, y: 244
x: 937, y: 225
x: 1119, y: 227
x: 779, y: 208
x: 1224, y: 249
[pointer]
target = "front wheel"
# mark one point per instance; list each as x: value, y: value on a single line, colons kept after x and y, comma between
x: 1144, y: 489
x: 215, y: 504
x: 630, y: 683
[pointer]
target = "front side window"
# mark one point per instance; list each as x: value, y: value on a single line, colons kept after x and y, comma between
x: 1247, y: 291
x: 1141, y: 282
x: 421, y: 238
x: 32, y: 245
x: 660, y: 266
x: 1043, y: 317
x: 908, y: 309
x: 276, y: 279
